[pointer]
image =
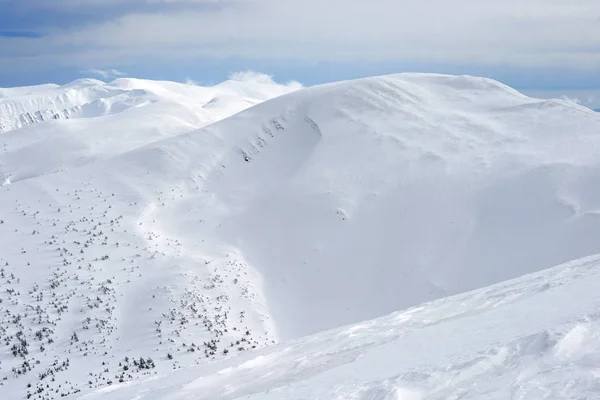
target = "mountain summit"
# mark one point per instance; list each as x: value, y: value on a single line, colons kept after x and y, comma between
x: 170, y: 230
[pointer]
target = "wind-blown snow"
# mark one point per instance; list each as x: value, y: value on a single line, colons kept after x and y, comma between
x: 536, y: 337
x: 133, y: 234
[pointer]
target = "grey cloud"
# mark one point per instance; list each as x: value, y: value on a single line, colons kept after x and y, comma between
x: 534, y: 33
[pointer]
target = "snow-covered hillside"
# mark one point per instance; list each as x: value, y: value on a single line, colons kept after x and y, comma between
x: 320, y: 208
x: 397, y: 190
x: 536, y: 337
x: 87, y: 120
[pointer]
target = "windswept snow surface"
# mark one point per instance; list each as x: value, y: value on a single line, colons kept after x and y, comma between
x: 536, y: 337
x: 317, y: 209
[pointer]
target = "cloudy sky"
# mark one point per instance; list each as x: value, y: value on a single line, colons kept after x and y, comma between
x: 536, y: 44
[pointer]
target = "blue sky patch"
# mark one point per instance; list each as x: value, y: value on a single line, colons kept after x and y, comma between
x: 19, y: 34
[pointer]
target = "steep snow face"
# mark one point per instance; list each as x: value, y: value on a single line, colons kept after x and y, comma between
x: 536, y: 337
x: 359, y: 198
x: 87, y: 120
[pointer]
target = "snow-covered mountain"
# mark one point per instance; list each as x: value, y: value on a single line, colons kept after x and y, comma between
x: 87, y: 120
x: 320, y: 208
x: 536, y: 337
x: 88, y: 98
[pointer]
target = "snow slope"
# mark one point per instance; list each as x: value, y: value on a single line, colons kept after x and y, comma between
x: 536, y: 337
x: 87, y: 120
x: 356, y: 199
x: 320, y: 208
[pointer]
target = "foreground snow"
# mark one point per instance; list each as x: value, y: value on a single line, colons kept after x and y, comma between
x: 131, y: 235
x: 536, y: 337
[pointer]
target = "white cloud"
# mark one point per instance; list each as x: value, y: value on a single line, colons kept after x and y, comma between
x: 588, y: 98
x: 531, y: 33
x: 251, y: 76
x: 258, y: 77
x: 191, y: 82
x: 104, y: 73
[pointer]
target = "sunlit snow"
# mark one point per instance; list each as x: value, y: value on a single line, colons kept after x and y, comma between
x: 384, y: 238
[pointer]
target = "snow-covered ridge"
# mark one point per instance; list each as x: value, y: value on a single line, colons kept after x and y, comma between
x: 87, y: 277
x: 136, y: 235
x: 125, y: 114
x: 535, y: 337
x: 397, y: 189
x: 26, y: 106
x: 30, y: 105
